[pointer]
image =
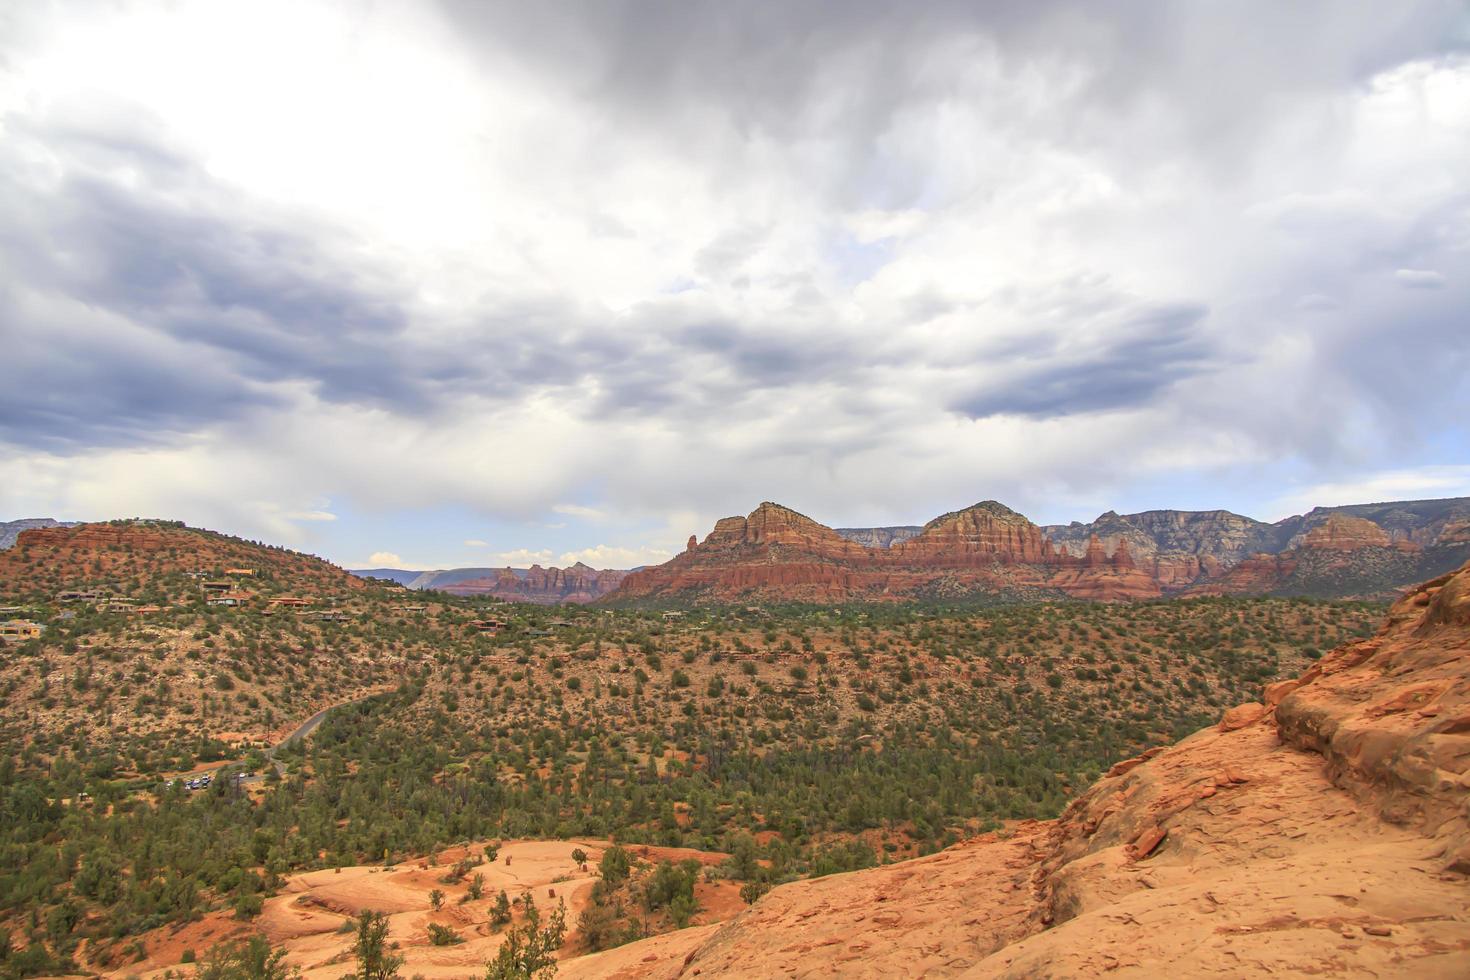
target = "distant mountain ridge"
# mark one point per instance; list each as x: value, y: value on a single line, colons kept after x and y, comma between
x: 575, y: 583
x: 879, y: 537
x: 10, y: 530
x: 1359, y: 550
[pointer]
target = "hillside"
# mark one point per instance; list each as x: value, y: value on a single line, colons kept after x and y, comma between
x: 1323, y: 831
x: 154, y: 561
x: 800, y: 742
x: 989, y: 551
x: 162, y: 645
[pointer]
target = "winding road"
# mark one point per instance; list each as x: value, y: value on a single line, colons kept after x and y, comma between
x: 301, y: 732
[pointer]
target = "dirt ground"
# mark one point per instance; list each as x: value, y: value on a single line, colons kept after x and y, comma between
x: 312, y: 916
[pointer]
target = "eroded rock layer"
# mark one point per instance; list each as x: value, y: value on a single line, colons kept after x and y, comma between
x: 777, y: 554
x: 575, y: 583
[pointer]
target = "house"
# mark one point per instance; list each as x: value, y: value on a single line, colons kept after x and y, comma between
x: 672, y: 615
x: 217, y: 586
x: 295, y: 602
x: 414, y: 609
x: 559, y: 624
x: 81, y: 595
x: 487, y: 627
x: 117, y: 604
x: 238, y: 572
x: 330, y: 616
x: 230, y: 599
x: 20, y: 630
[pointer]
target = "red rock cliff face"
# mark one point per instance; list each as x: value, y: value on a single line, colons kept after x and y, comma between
x: 781, y: 555
x: 775, y: 552
x: 778, y: 554
x: 546, y: 586
x: 1342, y: 533
x: 983, y: 534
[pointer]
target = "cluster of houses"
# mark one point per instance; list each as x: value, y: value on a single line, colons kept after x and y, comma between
x: 220, y: 589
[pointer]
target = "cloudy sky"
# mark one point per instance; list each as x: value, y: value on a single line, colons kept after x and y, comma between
x: 481, y: 283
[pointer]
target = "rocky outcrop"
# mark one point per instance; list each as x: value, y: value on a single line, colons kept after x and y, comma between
x: 1321, y: 831
x: 985, y: 533
x: 1341, y: 532
x: 1170, y: 537
x: 545, y: 586
x: 879, y: 537
x: 777, y: 554
x: 10, y: 530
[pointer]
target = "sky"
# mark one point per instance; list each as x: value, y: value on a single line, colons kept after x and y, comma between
x: 474, y: 284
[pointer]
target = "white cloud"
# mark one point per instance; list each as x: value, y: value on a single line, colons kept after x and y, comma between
x: 612, y: 556
x: 521, y: 558
x: 1427, y: 482
x: 577, y: 510
x: 311, y: 515
x: 385, y: 559
x: 476, y: 543
x: 1420, y: 278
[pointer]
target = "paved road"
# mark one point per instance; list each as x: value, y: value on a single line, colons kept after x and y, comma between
x: 302, y: 731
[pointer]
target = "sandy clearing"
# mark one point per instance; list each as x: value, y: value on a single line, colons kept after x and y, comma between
x: 311, y: 916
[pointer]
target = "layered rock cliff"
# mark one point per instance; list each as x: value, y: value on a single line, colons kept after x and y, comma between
x: 10, y: 530
x: 1324, y: 830
x: 776, y: 554
x: 546, y: 586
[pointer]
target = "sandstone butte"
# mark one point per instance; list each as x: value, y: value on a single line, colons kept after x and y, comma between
x: 1323, y: 831
x: 778, y: 554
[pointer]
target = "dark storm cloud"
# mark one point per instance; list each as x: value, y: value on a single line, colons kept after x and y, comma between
x: 75, y: 380
x: 136, y: 312
x: 1123, y: 366
x: 767, y: 66
x: 142, y: 300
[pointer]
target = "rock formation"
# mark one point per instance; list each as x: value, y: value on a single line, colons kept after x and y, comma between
x: 546, y: 586
x: 10, y: 530
x: 1322, y: 831
x: 776, y: 554
x: 879, y: 537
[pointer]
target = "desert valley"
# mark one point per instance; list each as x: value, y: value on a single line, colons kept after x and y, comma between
x: 978, y: 754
